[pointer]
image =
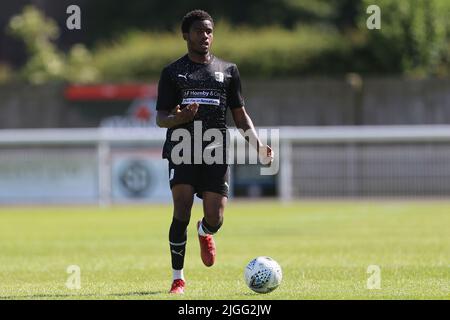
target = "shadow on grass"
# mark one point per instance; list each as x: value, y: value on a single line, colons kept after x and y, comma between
x: 126, y: 294
x: 252, y: 294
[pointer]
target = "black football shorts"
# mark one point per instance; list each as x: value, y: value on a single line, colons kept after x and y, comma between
x: 203, y: 177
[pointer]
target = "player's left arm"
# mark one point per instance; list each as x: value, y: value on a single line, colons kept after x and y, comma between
x: 245, y: 123
x: 242, y: 119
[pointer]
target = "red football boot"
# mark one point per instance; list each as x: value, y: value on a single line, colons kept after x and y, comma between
x: 207, y: 248
x: 177, y: 286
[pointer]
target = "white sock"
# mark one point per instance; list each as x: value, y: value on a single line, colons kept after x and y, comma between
x: 177, y: 274
x: 201, y: 231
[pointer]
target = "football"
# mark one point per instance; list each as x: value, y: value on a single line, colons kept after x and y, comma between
x: 263, y: 274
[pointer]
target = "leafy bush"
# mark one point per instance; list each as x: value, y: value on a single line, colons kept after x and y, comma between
x: 414, y: 40
x: 263, y: 52
x: 414, y: 37
x: 46, y: 63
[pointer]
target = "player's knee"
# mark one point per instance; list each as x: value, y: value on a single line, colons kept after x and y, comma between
x: 182, y: 209
x: 183, y: 202
x: 183, y: 198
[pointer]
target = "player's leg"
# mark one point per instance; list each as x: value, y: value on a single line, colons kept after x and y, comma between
x: 213, y: 209
x: 183, y: 196
x: 214, y: 193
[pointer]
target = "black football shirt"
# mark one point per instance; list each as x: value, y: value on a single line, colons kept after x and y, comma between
x: 215, y: 86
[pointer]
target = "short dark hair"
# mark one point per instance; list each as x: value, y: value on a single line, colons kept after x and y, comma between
x: 193, y: 16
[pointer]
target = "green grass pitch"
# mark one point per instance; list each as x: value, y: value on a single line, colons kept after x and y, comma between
x: 324, y: 249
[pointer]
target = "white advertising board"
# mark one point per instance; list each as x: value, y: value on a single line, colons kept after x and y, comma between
x: 48, y: 175
x: 139, y: 176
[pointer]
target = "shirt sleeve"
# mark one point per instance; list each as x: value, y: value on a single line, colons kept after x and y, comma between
x: 167, y: 92
x: 235, y: 99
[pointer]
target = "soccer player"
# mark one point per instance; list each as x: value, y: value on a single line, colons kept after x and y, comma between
x: 200, y: 87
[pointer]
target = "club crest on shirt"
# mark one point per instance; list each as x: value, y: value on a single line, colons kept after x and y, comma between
x: 219, y: 76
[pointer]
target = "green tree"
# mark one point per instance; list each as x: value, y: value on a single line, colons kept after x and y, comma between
x: 46, y: 62
x: 413, y: 37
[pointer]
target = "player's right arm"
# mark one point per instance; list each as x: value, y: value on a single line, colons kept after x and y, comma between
x: 165, y: 119
x: 169, y: 114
